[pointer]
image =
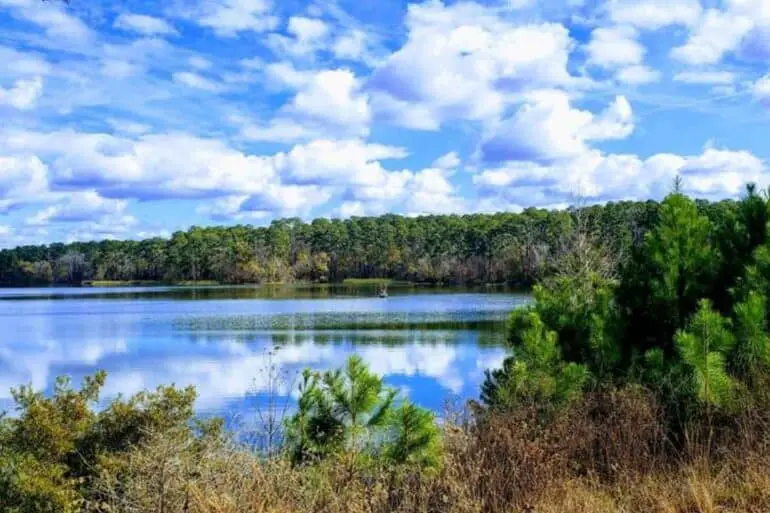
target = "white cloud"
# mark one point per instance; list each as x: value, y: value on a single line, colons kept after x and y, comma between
x: 328, y: 103
x: 761, y: 89
x: 274, y: 201
x: 548, y: 128
x: 654, y: 14
x: 196, y: 81
x: 128, y: 126
x: 464, y: 62
x: 637, y: 75
x: 84, y: 206
x: 228, y: 18
x: 740, y: 26
x: 428, y: 191
x: 284, y: 74
x: 52, y: 17
x: 714, y: 174
x: 152, y: 166
x: 278, y: 130
x: 23, y: 179
x: 119, y: 69
x: 143, y: 24
x: 448, y: 161
x: 199, y: 62
x: 333, y: 97
x: 718, y: 32
x: 352, y: 45
x: 306, y: 37
x: 23, y: 95
x: 5, y: 230
x: 181, y: 166
x: 706, y: 77
x: 17, y: 63
x: 431, y: 192
x: 349, y: 162
x: 615, y: 46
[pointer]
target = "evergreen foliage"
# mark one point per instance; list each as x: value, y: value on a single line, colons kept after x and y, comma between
x: 685, y: 315
x: 351, y: 409
x: 516, y: 248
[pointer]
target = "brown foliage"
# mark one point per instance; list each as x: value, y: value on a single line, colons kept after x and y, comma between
x: 607, y: 453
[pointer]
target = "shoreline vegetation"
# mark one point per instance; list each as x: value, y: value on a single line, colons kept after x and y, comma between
x: 513, y: 248
x: 636, y: 382
x: 348, y: 282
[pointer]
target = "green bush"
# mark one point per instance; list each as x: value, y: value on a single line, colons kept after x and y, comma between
x: 351, y: 410
x: 55, y: 446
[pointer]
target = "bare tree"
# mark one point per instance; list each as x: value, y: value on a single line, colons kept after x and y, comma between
x: 273, y: 402
x: 584, y: 249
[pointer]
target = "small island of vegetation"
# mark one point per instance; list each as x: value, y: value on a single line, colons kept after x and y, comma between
x: 638, y: 381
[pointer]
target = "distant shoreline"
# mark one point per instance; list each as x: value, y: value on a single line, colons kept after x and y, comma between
x: 351, y: 282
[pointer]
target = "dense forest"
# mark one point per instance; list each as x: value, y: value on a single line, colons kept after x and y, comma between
x: 506, y: 247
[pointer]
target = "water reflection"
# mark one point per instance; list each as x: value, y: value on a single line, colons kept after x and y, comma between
x: 145, y: 343
x: 300, y: 291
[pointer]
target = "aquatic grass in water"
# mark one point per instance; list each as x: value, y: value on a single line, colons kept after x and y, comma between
x: 485, y: 321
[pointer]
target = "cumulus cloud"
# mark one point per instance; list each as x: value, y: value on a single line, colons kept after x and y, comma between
x: 618, y: 48
x: 740, y: 26
x: 761, y: 89
x: 717, y: 33
x: 196, y: 81
x: 329, y: 102
x: 547, y: 128
x: 447, y: 161
x: 654, y: 14
x: 118, y: 168
x: 333, y: 97
x: 198, y: 62
x: 615, y: 46
x: 229, y: 18
x: 637, y: 75
x: 152, y: 166
x: 53, y: 18
x: 83, y: 206
x: 16, y: 63
x: 23, y: 179
x: 23, y: 95
x: 143, y: 24
x: 326, y: 162
x: 714, y: 174
x: 306, y: 36
x: 275, y: 201
x: 284, y: 75
x: 352, y: 45
x: 461, y: 62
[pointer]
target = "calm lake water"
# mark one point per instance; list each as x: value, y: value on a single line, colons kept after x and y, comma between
x: 432, y: 344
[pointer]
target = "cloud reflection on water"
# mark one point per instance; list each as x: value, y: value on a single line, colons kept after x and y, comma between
x: 140, y: 348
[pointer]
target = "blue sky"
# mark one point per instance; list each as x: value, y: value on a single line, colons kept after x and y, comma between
x: 136, y: 118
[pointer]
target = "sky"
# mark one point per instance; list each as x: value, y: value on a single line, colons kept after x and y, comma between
x: 136, y: 118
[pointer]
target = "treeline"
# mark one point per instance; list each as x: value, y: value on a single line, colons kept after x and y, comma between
x: 515, y: 248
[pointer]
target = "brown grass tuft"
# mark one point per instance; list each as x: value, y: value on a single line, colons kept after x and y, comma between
x: 607, y: 454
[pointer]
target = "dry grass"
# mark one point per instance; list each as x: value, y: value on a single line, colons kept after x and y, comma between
x: 608, y: 454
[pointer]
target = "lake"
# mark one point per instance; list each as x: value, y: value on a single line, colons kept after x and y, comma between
x: 433, y: 344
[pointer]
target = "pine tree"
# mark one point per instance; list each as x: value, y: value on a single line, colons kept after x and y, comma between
x: 535, y: 375
x: 413, y: 436
x: 703, y: 348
